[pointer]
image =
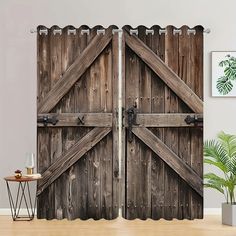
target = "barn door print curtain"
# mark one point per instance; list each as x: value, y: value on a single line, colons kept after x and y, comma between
x: 150, y: 164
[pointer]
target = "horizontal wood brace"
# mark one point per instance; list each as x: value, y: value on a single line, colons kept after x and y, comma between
x: 163, y: 120
x: 79, y: 119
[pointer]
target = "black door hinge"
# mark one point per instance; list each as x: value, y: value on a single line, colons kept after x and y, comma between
x: 197, y: 121
x: 45, y: 120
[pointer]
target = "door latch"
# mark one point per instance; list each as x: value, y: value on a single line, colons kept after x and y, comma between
x: 132, y: 120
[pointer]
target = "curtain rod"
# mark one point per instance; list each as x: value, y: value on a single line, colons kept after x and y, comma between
x: 132, y: 31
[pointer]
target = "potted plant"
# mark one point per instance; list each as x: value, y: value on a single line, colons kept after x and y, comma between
x: 221, y: 153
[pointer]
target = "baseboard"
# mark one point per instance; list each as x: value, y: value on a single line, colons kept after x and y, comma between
x: 207, y: 211
x: 7, y: 211
x: 212, y: 211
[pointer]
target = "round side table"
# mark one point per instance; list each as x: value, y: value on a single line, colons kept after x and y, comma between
x: 23, y: 194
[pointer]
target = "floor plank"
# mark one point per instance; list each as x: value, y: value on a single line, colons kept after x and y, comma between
x: 210, y: 226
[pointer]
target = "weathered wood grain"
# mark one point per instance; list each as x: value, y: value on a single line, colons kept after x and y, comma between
x: 71, y: 156
x: 132, y: 148
x: 158, y: 106
x: 145, y: 86
x: 74, y: 72
x: 43, y: 139
x: 106, y: 149
x: 56, y: 49
x: 196, y: 72
x: 43, y: 135
x: 122, y: 170
x: 166, y: 74
x: 106, y: 189
x: 115, y: 136
x: 184, y: 151
x: 69, y: 181
x: 94, y: 158
x: 167, y: 155
x: 171, y: 134
x: 81, y: 105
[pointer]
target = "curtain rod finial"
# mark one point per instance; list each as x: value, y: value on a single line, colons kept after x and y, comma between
x: 207, y: 31
x: 33, y: 31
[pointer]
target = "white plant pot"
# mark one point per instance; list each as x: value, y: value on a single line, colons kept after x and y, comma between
x: 228, y: 214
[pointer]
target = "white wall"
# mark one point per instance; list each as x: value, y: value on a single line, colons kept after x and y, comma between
x: 18, y: 60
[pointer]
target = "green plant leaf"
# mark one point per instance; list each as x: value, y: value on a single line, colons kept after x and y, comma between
x: 228, y: 143
x: 224, y: 85
x: 219, y: 165
x: 215, y: 150
x: 217, y: 187
x: 224, y: 63
x: 230, y: 72
x: 214, y: 178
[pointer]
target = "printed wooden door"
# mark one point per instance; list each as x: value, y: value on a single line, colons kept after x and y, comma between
x: 164, y: 137
x: 77, y: 128
x: 161, y: 152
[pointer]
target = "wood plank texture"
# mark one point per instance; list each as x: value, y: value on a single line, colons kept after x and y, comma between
x: 196, y: 72
x: 184, y: 149
x: 81, y: 98
x: 122, y: 177
x: 44, y: 135
x: 166, y: 74
x: 115, y: 164
x: 56, y: 49
x: 176, y: 163
x: 132, y: 66
x: 66, y: 185
x: 145, y: 86
x: 158, y: 106
x: 171, y: 134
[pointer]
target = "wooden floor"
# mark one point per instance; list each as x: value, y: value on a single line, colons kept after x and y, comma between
x: 210, y: 226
